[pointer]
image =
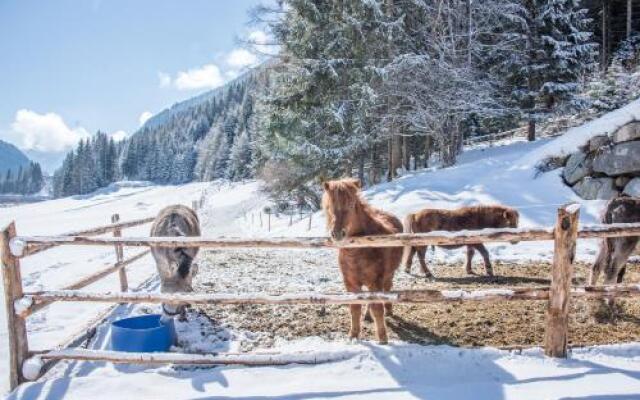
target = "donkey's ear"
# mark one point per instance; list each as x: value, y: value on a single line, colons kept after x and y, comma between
x: 326, y: 185
x: 357, y: 183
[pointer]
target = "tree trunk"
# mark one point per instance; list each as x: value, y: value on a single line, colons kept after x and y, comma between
x: 531, y: 129
x: 374, y: 171
x: 469, y: 32
x: 405, y: 153
x: 361, y: 169
x: 390, y: 173
x: 629, y: 17
x: 605, y: 35
x: 427, y: 151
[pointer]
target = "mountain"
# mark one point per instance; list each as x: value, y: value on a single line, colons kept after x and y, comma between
x: 204, y: 138
x: 11, y: 157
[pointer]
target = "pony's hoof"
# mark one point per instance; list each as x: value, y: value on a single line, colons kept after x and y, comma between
x: 383, y: 342
x: 407, y: 270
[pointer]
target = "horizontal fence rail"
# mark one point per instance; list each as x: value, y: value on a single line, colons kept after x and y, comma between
x: 253, y: 359
x: 90, y: 232
x: 32, y: 299
x: 22, y: 244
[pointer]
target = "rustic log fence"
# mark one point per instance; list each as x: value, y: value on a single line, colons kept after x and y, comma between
x: 13, y: 290
x: 21, y: 304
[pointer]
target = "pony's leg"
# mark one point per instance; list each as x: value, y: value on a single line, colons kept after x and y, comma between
x: 470, y: 253
x: 621, y: 250
x: 408, y: 258
x: 377, y: 310
x: 601, y: 263
x: 485, y: 256
x: 621, y: 273
x: 355, y: 309
x: 386, y: 287
x: 422, y: 252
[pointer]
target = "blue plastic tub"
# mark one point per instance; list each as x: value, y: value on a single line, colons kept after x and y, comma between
x: 144, y: 334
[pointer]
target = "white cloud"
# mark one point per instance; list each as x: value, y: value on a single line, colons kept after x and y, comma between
x: 44, y: 132
x: 239, y: 58
x: 207, y: 76
x: 165, y: 79
x: 118, y: 136
x: 144, y: 117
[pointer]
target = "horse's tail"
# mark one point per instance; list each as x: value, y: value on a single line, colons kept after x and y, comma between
x: 407, y: 226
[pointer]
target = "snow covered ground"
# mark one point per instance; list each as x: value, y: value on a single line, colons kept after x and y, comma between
x: 491, y: 175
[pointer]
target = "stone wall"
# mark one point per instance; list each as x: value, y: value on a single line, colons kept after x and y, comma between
x: 607, y: 165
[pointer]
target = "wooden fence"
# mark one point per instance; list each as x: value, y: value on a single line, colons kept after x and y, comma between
x: 21, y: 304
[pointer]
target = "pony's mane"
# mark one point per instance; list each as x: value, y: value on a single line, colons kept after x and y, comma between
x: 351, y: 187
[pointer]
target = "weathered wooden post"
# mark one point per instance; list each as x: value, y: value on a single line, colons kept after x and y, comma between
x: 16, y: 325
x: 310, y: 216
x: 566, y: 232
x: 122, y: 273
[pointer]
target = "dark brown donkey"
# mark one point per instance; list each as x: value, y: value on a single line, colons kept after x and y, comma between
x: 614, y: 252
x: 349, y: 215
x: 465, y: 218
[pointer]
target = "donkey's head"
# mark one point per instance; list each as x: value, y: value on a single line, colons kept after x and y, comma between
x: 340, y: 202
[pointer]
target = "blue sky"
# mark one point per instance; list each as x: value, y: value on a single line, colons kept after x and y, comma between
x: 71, y: 67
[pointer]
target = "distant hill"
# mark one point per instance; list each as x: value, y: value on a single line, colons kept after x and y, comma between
x: 11, y: 157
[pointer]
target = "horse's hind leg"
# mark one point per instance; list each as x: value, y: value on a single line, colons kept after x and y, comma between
x: 409, y: 252
x: 485, y: 256
x: 470, y: 253
x: 422, y: 253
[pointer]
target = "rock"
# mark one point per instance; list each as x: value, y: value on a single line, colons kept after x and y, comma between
x: 578, y: 166
x: 596, y: 188
x: 599, y: 141
x: 633, y: 188
x: 630, y: 131
x: 623, y: 158
x: 622, y: 181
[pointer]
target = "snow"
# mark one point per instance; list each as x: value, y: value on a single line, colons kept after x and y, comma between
x: 396, y: 371
x: 503, y: 175
x: 32, y: 367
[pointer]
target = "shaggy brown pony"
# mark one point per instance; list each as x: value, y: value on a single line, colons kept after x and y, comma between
x: 349, y: 215
x: 465, y: 218
x: 614, y: 252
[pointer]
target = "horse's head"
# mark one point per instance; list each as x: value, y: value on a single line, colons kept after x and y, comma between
x: 339, y: 202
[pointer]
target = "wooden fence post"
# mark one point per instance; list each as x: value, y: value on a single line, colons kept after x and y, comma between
x: 16, y: 325
x: 122, y: 273
x: 566, y: 232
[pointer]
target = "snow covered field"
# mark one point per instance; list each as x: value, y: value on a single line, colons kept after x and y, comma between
x: 492, y: 175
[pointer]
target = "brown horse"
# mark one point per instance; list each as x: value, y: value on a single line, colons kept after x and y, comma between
x: 614, y: 252
x: 349, y: 215
x: 465, y: 218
